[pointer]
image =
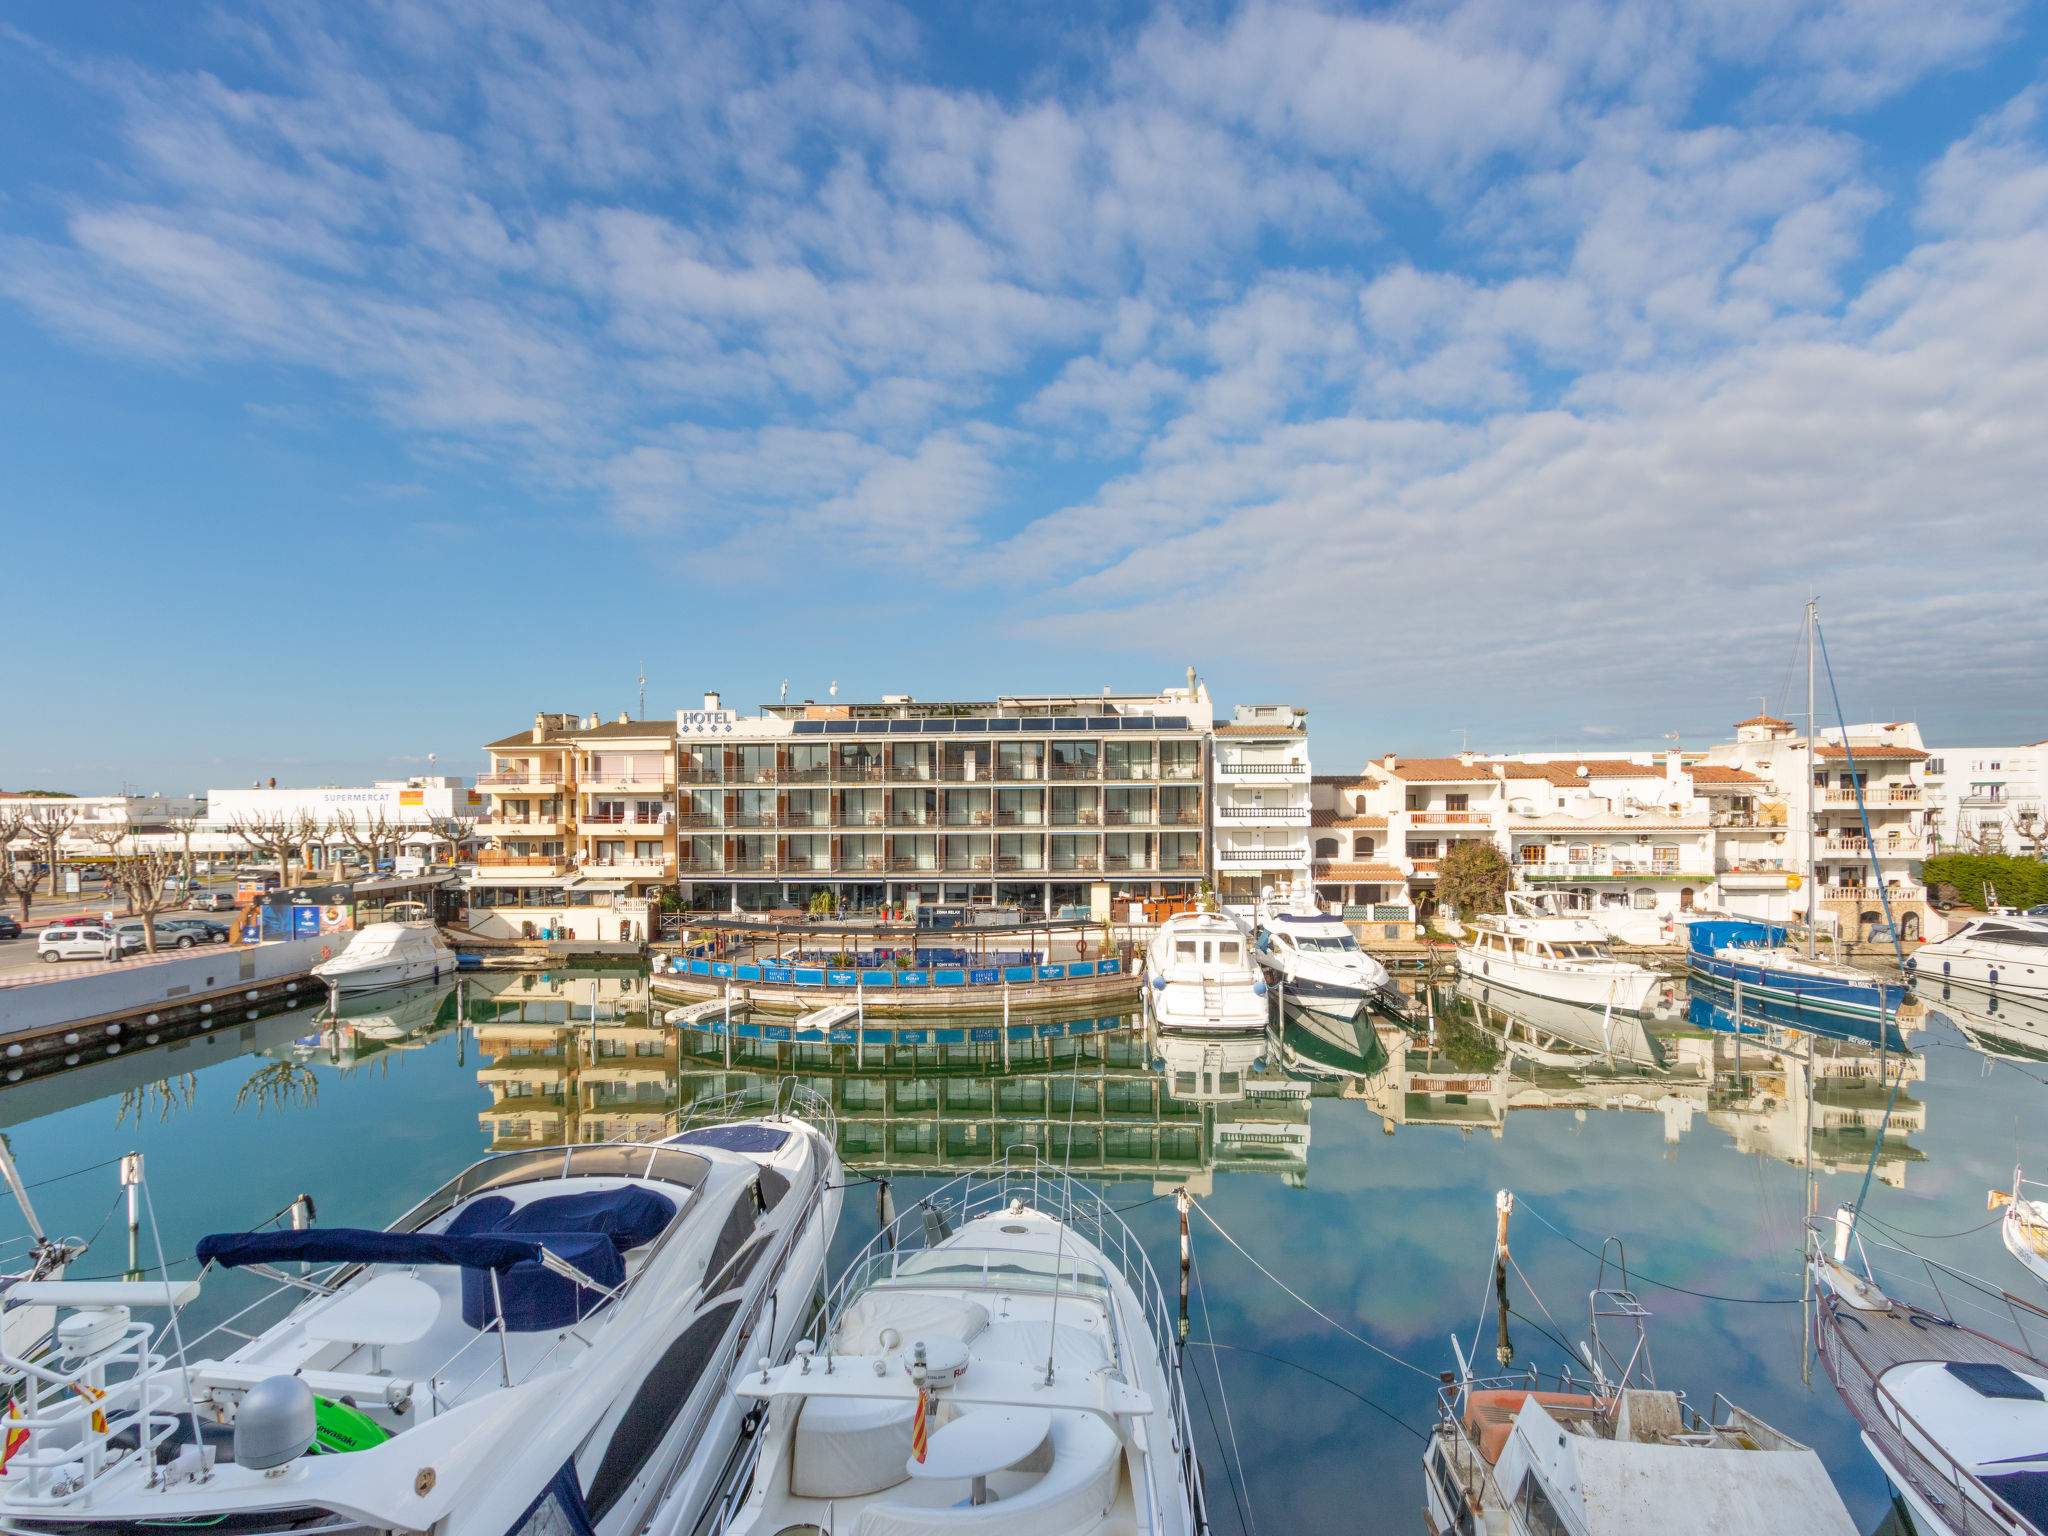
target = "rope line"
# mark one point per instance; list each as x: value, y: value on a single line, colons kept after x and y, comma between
x: 1229, y: 1421
x: 1319, y: 1376
x: 1356, y: 1338
x: 1747, y: 1301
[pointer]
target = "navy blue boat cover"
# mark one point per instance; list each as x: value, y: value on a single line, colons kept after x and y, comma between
x: 748, y: 1136
x: 357, y: 1245
x: 590, y: 1230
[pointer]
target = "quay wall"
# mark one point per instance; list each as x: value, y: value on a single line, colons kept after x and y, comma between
x: 136, y: 984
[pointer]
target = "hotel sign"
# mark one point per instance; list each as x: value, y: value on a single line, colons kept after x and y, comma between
x: 705, y: 722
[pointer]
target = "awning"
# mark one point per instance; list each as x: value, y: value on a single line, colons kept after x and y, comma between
x: 358, y: 1245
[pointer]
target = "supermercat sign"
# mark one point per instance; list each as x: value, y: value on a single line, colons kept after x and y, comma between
x: 705, y: 722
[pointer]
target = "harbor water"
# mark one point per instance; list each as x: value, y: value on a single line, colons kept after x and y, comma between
x: 1355, y: 1166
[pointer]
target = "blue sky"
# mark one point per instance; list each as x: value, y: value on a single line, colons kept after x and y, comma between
x: 374, y: 375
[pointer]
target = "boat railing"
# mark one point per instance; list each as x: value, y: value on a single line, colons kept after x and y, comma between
x: 1964, y: 1291
x: 1962, y: 1499
x: 893, y: 1255
x: 73, y: 1420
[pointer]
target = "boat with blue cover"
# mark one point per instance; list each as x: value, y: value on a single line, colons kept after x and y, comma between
x: 545, y: 1346
x: 1758, y: 956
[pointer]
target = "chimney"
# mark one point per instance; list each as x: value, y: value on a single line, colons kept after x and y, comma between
x: 1191, y: 682
x: 1391, y: 761
x: 710, y: 701
x: 624, y: 717
x: 1673, y: 764
x: 1467, y: 758
x: 540, y: 729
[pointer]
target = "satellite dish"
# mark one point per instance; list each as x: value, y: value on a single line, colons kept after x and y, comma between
x: 1582, y: 770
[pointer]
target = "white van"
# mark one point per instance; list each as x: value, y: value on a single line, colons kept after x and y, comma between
x: 84, y: 941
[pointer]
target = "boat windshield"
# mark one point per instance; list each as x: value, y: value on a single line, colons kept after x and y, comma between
x: 1321, y: 942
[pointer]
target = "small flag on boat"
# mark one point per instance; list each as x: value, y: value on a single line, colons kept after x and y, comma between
x: 16, y: 1437
x: 918, y: 1437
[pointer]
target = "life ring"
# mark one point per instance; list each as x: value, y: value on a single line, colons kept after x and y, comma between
x: 1791, y: 882
x: 326, y: 952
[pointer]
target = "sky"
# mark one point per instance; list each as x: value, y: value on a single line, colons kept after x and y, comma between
x: 374, y: 375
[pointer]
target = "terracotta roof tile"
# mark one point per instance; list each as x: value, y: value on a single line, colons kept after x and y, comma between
x: 1333, y: 819
x: 1441, y: 770
x: 1873, y: 751
x: 1714, y: 773
x: 1258, y: 730
x: 1763, y: 720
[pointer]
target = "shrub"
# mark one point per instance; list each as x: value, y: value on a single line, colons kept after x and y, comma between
x: 2014, y: 882
x: 1473, y: 878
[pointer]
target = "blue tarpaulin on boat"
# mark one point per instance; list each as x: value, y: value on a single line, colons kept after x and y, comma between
x: 747, y: 1136
x: 1707, y: 937
x: 589, y: 1230
x: 356, y: 1245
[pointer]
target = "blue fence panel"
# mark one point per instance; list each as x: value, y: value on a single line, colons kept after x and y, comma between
x: 912, y: 1036
x: 987, y: 1034
x: 878, y: 978
x: 700, y: 967
x: 776, y: 973
x: 1081, y: 968
x: 841, y: 978
x: 949, y: 978
x: 1109, y: 967
x: 1020, y: 973
x: 1051, y: 972
x: 775, y: 1032
x: 986, y: 978
x: 949, y: 1037
x: 841, y: 1036
x: 1051, y: 1029
x: 747, y: 1031
x: 721, y: 968
x: 913, y: 978
x: 746, y: 973
x: 810, y: 978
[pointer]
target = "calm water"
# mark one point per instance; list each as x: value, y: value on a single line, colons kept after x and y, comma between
x: 1358, y: 1166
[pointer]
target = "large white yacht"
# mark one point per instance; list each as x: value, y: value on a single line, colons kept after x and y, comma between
x: 1314, y: 956
x: 1017, y: 1376
x: 1199, y: 975
x: 390, y: 954
x: 1604, y: 1451
x: 2001, y: 953
x: 546, y: 1344
x: 1536, y: 947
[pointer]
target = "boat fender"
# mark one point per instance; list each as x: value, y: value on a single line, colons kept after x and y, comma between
x: 936, y: 1231
x: 1258, y: 989
x: 1159, y: 983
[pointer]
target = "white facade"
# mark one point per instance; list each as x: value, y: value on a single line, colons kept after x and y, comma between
x: 103, y: 815
x: 1987, y: 799
x: 1259, y: 803
x: 420, y: 802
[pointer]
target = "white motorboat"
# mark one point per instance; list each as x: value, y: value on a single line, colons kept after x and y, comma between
x: 390, y: 954
x: 2025, y: 1228
x: 1199, y: 975
x: 2004, y: 953
x: 1017, y: 1376
x: 1537, y: 948
x: 1314, y: 956
x: 1609, y: 1453
x: 545, y: 1345
x: 1956, y: 1419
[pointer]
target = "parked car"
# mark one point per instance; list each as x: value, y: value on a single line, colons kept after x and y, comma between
x: 73, y: 942
x: 185, y: 932
x: 212, y: 901
x: 82, y: 920
x: 9, y: 928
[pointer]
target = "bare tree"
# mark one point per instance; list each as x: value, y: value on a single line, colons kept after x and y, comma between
x: 276, y: 836
x: 16, y: 880
x: 143, y: 875
x: 184, y: 827
x: 370, y: 835
x: 455, y: 831
x: 108, y: 839
x: 46, y: 825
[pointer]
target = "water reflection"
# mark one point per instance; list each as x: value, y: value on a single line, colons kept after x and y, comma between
x: 2008, y: 1028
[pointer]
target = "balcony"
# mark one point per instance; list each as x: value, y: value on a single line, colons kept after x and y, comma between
x: 1449, y: 818
x: 860, y: 863
x: 639, y: 783
x: 1169, y: 862
x: 700, y: 773
x: 806, y: 818
x: 1739, y: 819
x: 967, y: 863
x: 1011, y: 863
x: 788, y: 775
x: 1845, y: 845
x: 1126, y: 863
x: 1142, y: 817
x: 1289, y: 815
x: 628, y: 869
x: 697, y: 818
x: 1128, y: 771
x: 1071, y: 771
x: 1271, y: 856
x: 859, y: 819
x: 910, y: 864
x: 969, y: 819
x: 913, y: 773
x: 1020, y: 773
x: 1875, y: 795
x: 1074, y: 818
x: 751, y: 819
x: 1256, y: 768
x: 1608, y: 869
x: 1187, y: 772
x: 913, y: 819
x: 699, y: 864
x: 753, y: 864
x: 1020, y: 818
x: 1864, y: 893
x: 1424, y: 868
x: 534, y: 863
x: 1186, y: 816
x: 519, y: 780
x: 537, y: 826
x: 1074, y: 864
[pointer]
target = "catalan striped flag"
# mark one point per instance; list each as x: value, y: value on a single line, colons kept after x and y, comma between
x: 16, y: 1436
x: 919, y: 1439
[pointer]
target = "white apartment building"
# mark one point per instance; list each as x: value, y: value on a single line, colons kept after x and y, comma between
x: 1856, y: 870
x: 86, y: 818
x: 1260, y: 801
x: 1986, y: 799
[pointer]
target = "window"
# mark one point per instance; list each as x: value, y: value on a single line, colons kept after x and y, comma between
x: 1361, y: 847
x: 1534, y: 853
x: 1538, y: 1514
x: 1326, y: 847
x: 1580, y: 853
x: 1646, y: 901
x: 1664, y: 858
x: 1227, y: 951
x: 1458, y: 802
x: 1936, y: 766
x: 1421, y: 849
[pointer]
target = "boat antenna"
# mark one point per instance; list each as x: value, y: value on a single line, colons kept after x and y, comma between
x: 1052, y: 1339
x: 1812, y: 758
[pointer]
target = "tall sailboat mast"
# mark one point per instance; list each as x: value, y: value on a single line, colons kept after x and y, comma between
x: 1812, y: 774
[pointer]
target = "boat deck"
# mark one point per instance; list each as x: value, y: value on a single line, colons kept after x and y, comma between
x: 1858, y: 1348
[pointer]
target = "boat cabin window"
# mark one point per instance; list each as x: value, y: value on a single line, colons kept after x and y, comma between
x: 1539, y: 1515
x: 1183, y: 949
x: 1227, y: 950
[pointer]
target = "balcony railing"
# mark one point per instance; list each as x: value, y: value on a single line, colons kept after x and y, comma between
x: 803, y: 775
x: 1608, y: 869
x: 1262, y: 856
x: 1450, y: 818
x: 861, y: 863
x: 1179, y: 861
x: 1423, y: 866
x: 538, y: 863
x: 911, y: 865
x: 700, y: 773
x: 1736, y: 819
x: 860, y: 819
x: 913, y: 819
x: 646, y: 783
x: 961, y: 773
x: 1142, y: 817
x: 699, y: 864
x: 966, y: 862
x: 1187, y: 816
x: 806, y: 818
x: 1074, y: 863
x: 1125, y: 863
x: 1128, y: 771
x: 1020, y: 818
x: 751, y: 819
x: 635, y: 869
x: 696, y: 818
x: 1876, y: 794
x: 1845, y: 845
x: 969, y: 819
x: 518, y: 780
x: 1180, y: 770
x: 1295, y: 814
x: 1082, y: 770
x: 1248, y: 767
x: 913, y: 773
x: 1074, y: 818
x: 536, y: 826
x: 1861, y: 893
x: 753, y: 864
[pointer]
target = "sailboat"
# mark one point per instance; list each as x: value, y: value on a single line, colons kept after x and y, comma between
x: 2025, y: 1228
x: 1760, y: 956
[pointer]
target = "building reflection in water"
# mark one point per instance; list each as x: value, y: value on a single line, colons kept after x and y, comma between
x: 577, y: 1056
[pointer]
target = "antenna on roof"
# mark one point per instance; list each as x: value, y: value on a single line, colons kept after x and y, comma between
x: 643, y: 690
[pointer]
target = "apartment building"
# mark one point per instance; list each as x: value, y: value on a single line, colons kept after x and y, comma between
x: 1040, y: 802
x: 581, y: 828
x: 1986, y: 799
x: 1856, y: 869
x: 1260, y: 809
